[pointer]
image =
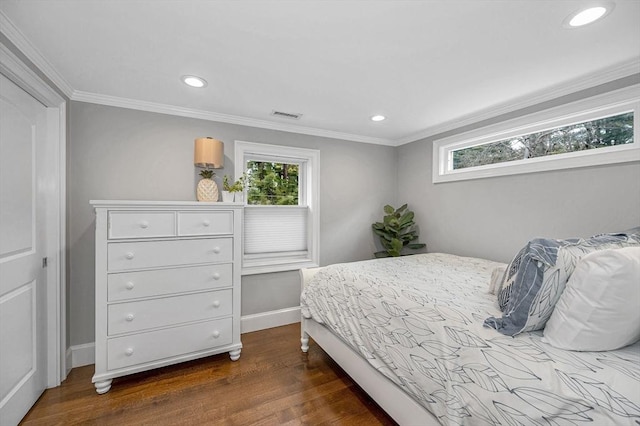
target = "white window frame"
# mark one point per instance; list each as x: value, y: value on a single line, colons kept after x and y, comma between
x: 593, y: 108
x: 308, y: 196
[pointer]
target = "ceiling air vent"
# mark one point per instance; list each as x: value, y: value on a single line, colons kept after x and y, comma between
x: 291, y: 115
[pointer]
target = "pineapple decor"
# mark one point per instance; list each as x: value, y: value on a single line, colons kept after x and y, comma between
x: 207, y: 188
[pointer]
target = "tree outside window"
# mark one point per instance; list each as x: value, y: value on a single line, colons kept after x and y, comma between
x: 605, y: 132
x: 271, y: 183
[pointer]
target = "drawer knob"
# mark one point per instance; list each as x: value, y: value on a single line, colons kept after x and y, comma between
x: 206, y: 223
x: 216, y: 250
x: 129, y: 285
x: 216, y: 275
x: 216, y: 303
x: 144, y: 224
x: 129, y: 317
x: 216, y: 334
x: 129, y: 255
x: 128, y: 352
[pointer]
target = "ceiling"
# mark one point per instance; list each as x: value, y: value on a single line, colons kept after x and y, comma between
x: 426, y: 65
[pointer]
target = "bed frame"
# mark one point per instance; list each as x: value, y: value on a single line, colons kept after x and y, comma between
x: 400, y: 406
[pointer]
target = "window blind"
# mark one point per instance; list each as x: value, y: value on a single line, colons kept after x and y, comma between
x: 273, y: 229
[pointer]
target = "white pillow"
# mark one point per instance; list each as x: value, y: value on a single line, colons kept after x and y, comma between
x: 599, y: 309
x: 496, y: 279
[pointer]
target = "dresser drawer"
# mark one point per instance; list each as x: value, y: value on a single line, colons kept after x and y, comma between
x: 161, y: 344
x: 133, y: 285
x: 141, y: 224
x: 150, y: 254
x: 145, y: 314
x: 205, y: 223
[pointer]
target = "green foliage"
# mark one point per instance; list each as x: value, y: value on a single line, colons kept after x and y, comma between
x: 272, y: 183
x: 237, y: 186
x: 207, y: 174
x: 396, y: 232
x: 609, y: 131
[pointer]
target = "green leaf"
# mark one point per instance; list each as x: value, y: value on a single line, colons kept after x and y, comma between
x: 407, y: 218
x: 380, y: 254
x: 207, y: 174
x: 416, y: 246
x: 388, y: 209
x: 396, y: 247
x: 384, y: 236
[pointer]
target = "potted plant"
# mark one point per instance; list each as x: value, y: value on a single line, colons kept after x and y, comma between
x: 233, y: 191
x: 396, y: 232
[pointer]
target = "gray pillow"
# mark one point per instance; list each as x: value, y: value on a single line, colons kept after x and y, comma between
x: 508, y: 278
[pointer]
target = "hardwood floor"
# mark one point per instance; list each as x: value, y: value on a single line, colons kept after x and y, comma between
x: 273, y: 383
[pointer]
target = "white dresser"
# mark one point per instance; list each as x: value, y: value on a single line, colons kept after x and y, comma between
x: 167, y: 284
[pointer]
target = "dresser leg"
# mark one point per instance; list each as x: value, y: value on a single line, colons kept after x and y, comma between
x: 304, y: 342
x: 235, y: 354
x: 103, y: 386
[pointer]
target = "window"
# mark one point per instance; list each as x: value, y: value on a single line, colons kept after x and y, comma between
x: 594, y: 131
x: 601, y: 133
x: 281, y: 216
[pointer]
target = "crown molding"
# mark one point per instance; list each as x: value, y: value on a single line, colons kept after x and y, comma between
x: 624, y: 69
x: 17, y: 71
x: 95, y: 98
x: 607, y: 75
x: 33, y: 54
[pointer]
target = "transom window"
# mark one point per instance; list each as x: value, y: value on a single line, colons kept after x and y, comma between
x: 594, y: 131
x: 602, y: 133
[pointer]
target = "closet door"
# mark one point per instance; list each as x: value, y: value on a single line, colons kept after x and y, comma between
x: 22, y: 244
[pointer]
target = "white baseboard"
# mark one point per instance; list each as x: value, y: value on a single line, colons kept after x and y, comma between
x: 80, y: 355
x: 264, y: 320
x: 68, y: 358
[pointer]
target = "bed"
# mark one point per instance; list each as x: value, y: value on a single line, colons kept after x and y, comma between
x: 410, y: 332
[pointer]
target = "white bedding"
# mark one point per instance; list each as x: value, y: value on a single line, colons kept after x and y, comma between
x: 418, y: 320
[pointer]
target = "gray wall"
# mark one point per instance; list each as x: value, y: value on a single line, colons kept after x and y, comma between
x: 117, y: 153
x: 493, y: 218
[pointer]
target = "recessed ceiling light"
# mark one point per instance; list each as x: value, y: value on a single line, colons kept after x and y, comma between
x: 378, y: 118
x: 193, y: 81
x: 587, y: 16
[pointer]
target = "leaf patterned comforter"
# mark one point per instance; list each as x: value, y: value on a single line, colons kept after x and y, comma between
x: 418, y: 320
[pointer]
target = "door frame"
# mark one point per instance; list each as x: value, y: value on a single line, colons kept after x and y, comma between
x: 55, y: 198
